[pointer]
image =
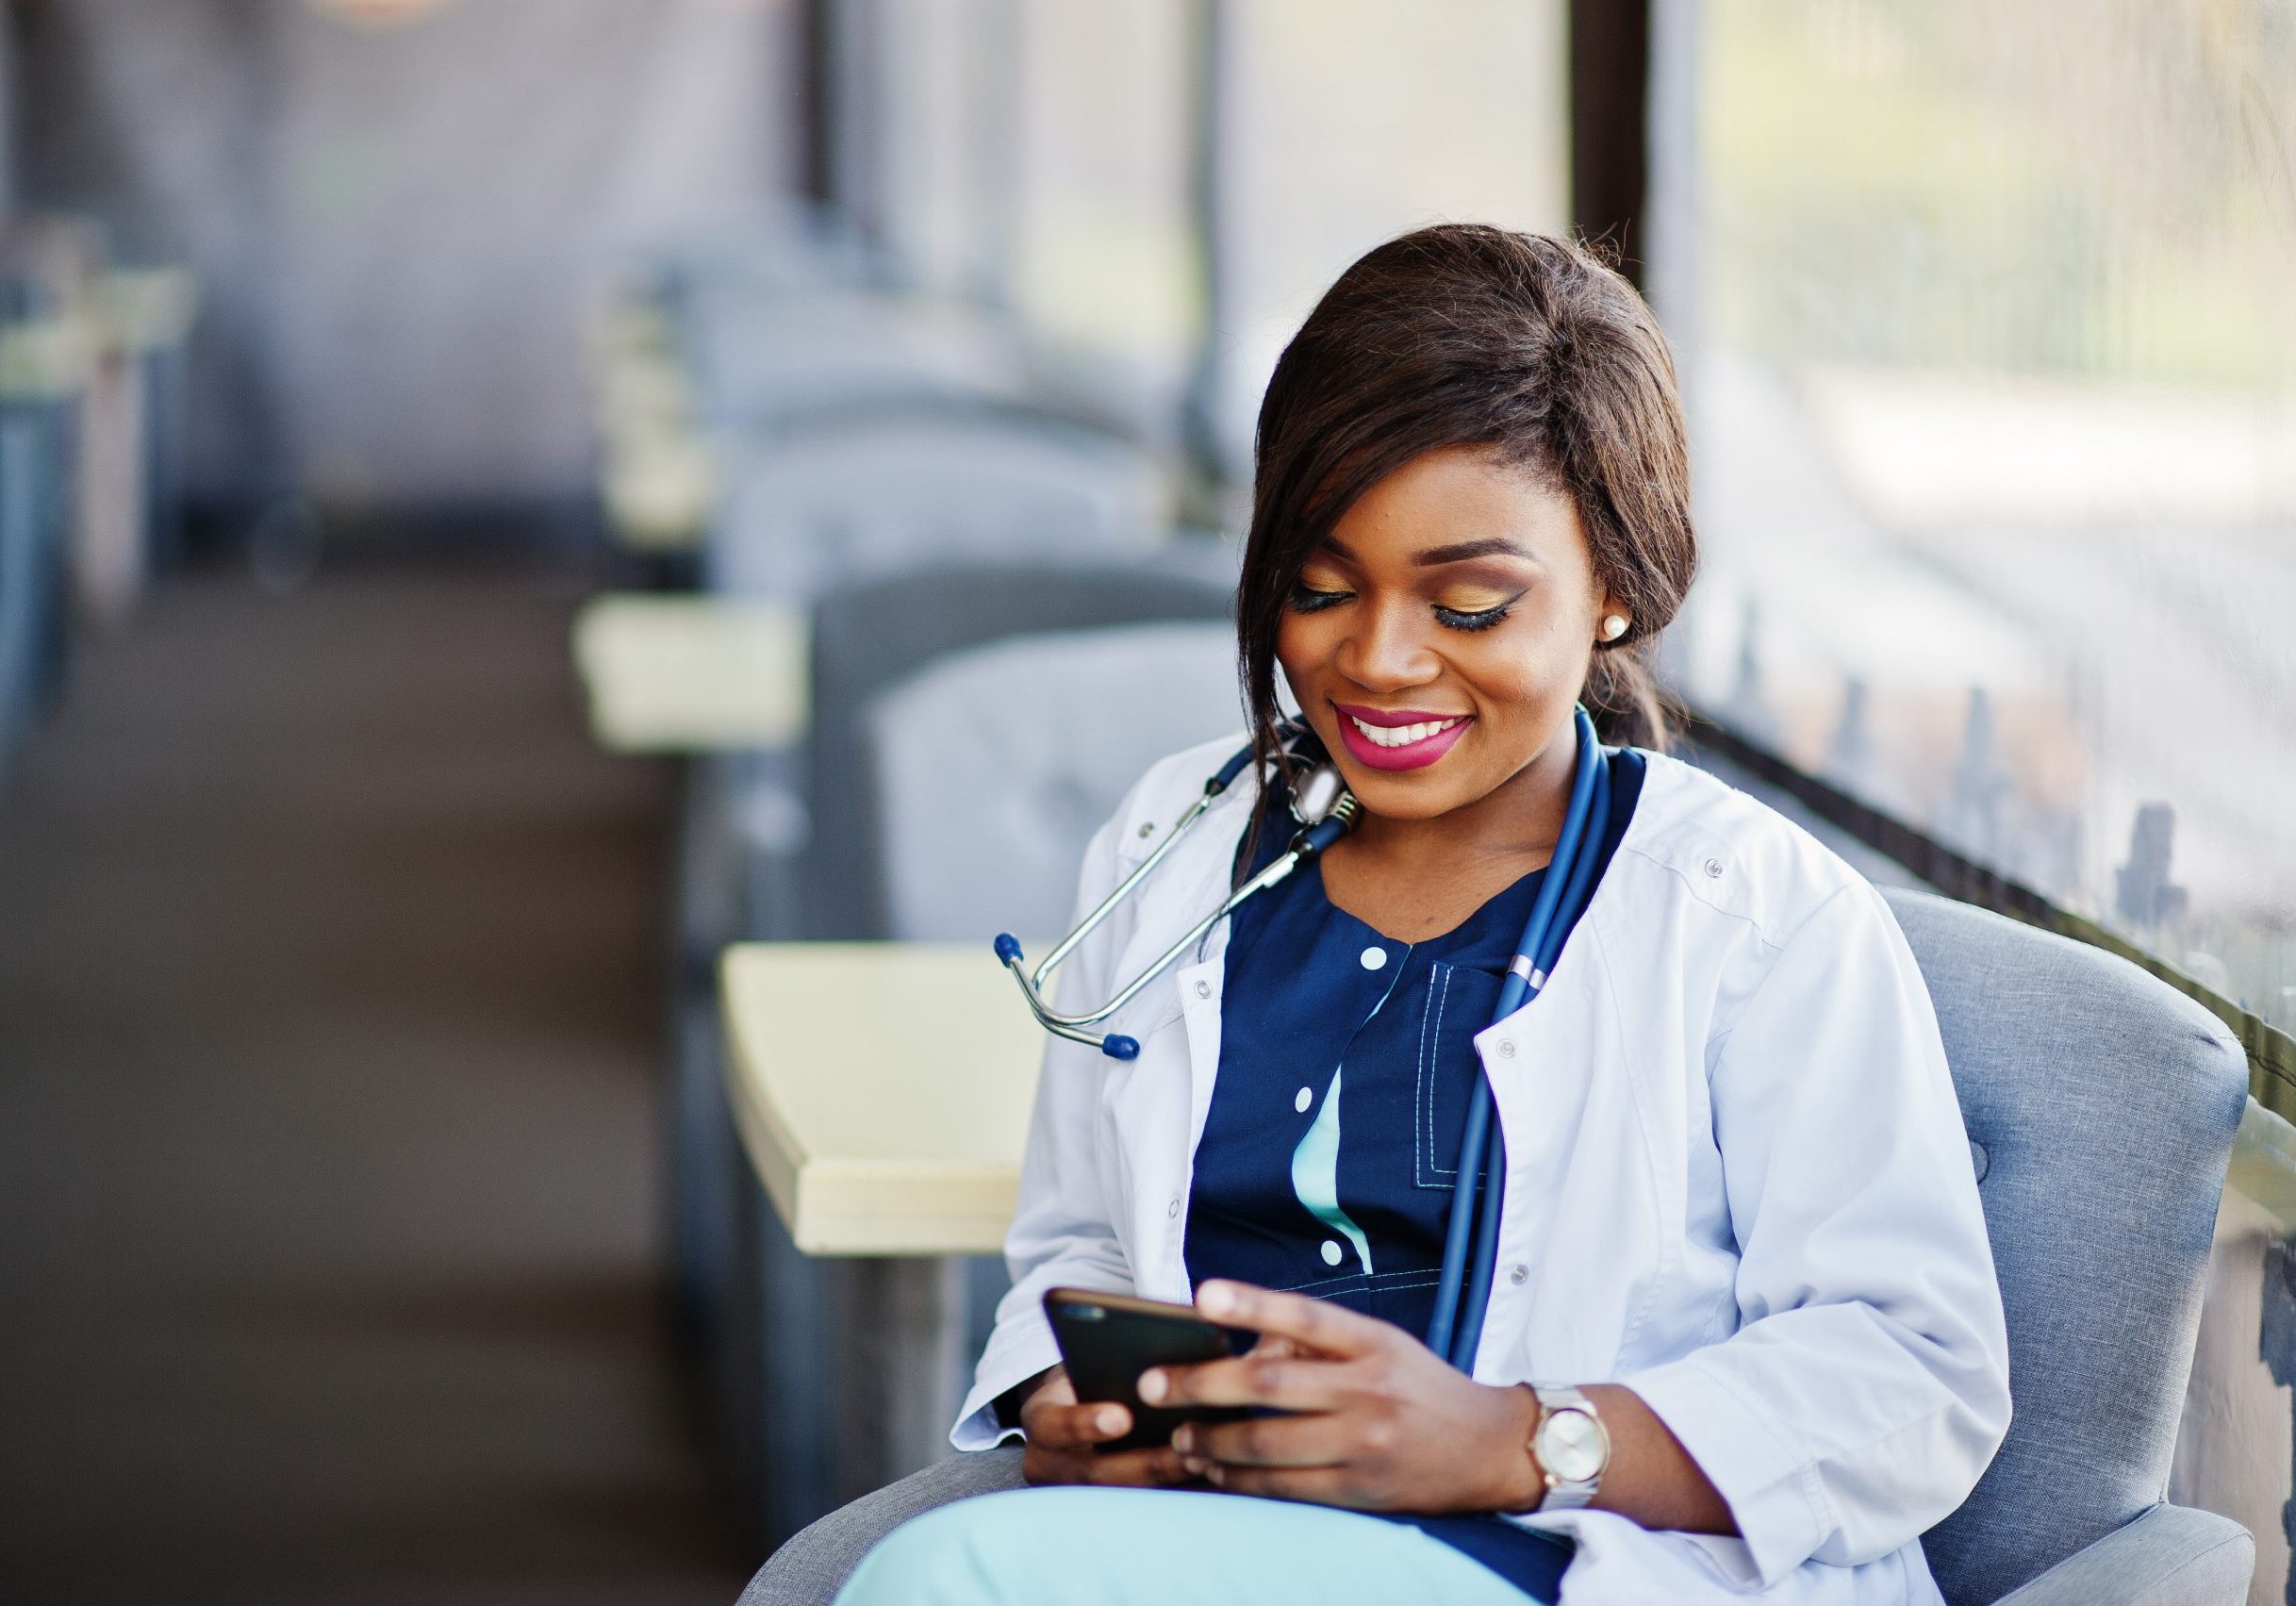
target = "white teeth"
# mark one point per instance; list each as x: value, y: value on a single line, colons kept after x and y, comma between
x: 1400, y: 736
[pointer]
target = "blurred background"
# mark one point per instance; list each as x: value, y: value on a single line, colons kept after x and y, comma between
x: 496, y: 494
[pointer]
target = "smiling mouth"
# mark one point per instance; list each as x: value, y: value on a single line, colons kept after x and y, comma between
x: 1401, y: 739
x: 1402, y: 735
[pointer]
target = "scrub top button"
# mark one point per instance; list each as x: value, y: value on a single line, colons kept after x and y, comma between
x: 1305, y: 1096
x: 1330, y: 1252
x: 1375, y: 958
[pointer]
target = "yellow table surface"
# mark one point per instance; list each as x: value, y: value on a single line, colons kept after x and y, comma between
x: 882, y: 1091
x: 687, y: 674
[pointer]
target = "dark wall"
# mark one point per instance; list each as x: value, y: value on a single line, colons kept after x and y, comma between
x: 399, y: 226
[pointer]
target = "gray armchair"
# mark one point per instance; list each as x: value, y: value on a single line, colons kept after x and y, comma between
x: 2101, y: 1106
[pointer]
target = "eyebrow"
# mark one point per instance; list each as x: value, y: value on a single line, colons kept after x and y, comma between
x: 1457, y: 551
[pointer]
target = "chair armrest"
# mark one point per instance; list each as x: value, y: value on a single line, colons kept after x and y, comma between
x: 2171, y: 1556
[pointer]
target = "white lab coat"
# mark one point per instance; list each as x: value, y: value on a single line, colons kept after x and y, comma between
x: 1737, y: 1181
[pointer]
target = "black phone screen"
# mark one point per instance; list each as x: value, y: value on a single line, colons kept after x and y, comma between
x: 1107, y: 1340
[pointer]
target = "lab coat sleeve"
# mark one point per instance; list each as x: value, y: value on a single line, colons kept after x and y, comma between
x: 1061, y: 1234
x: 1867, y: 1386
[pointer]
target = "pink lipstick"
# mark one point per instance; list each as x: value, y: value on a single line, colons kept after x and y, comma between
x: 1398, y: 739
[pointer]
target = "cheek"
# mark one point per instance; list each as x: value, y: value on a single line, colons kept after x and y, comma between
x: 1507, y: 671
x: 1523, y: 677
x: 1297, y: 650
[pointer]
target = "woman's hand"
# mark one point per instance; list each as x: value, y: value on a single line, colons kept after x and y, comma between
x: 1379, y: 1423
x: 1062, y: 1436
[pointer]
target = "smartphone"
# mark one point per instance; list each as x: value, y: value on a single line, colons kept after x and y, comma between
x: 1107, y: 1340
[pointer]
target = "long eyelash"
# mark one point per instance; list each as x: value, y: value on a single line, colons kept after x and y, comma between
x: 1452, y: 618
x: 1306, y: 598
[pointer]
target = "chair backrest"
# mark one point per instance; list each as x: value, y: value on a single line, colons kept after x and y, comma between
x: 869, y: 637
x: 2101, y: 1106
x: 878, y: 493
x: 35, y: 508
x: 759, y: 359
x: 993, y: 769
x: 789, y: 249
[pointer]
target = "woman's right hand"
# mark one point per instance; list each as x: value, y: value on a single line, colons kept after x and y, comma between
x: 1062, y: 1436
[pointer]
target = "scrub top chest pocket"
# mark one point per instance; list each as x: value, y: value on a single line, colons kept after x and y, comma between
x: 1347, y: 1064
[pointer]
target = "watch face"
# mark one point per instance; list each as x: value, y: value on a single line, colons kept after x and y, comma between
x: 1572, y: 1445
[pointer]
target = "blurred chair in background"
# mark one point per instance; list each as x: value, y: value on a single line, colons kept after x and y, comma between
x: 985, y: 773
x: 91, y: 434
x: 911, y: 485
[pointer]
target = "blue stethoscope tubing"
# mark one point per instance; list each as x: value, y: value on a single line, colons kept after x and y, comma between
x: 1471, y: 1233
x: 1456, y: 1330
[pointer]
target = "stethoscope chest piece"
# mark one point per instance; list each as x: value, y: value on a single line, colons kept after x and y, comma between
x: 1321, y: 793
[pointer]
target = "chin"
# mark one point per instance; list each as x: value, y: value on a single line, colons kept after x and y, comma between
x: 1411, y: 794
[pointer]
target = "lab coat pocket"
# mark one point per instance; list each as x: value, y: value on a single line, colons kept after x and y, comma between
x: 1460, y: 1000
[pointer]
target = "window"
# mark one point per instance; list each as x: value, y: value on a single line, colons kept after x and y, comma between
x: 1104, y: 242
x: 1987, y: 325
x: 1342, y: 123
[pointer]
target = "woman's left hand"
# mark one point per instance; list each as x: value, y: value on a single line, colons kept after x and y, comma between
x: 1377, y: 1423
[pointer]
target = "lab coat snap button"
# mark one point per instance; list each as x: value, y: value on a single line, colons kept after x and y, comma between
x: 1203, y: 989
x: 1171, y: 1210
x: 1506, y: 1049
x: 1147, y: 830
x: 1516, y: 1274
x: 1714, y: 869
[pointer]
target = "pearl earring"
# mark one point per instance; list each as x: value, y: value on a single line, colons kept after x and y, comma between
x: 1613, y: 627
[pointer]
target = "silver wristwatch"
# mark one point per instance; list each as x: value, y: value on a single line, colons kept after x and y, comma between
x: 1570, y: 1446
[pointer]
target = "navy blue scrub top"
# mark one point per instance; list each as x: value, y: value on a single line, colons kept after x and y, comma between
x: 1346, y: 1064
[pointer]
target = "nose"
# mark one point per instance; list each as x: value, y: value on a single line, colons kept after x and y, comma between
x: 1388, y: 650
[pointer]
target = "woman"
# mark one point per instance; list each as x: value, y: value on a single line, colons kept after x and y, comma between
x: 1739, y: 1228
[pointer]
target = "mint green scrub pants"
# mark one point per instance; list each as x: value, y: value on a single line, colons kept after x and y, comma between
x: 1083, y: 1546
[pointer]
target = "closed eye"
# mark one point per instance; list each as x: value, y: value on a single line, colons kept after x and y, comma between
x: 1307, y: 598
x: 1452, y: 618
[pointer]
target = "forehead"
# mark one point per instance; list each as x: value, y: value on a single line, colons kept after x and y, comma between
x: 1459, y: 494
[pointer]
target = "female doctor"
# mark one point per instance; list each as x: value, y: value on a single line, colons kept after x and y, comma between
x: 1742, y: 1334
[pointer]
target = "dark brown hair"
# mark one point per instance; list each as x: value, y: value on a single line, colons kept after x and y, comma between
x: 1463, y: 334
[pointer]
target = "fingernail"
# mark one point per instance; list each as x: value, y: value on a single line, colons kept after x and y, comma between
x: 1183, y: 1439
x: 1215, y: 1472
x: 1153, y: 1386
x: 1109, y: 1421
x: 1197, y: 1466
x: 1215, y: 1300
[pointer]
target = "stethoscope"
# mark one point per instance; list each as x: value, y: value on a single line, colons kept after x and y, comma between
x: 1324, y: 810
